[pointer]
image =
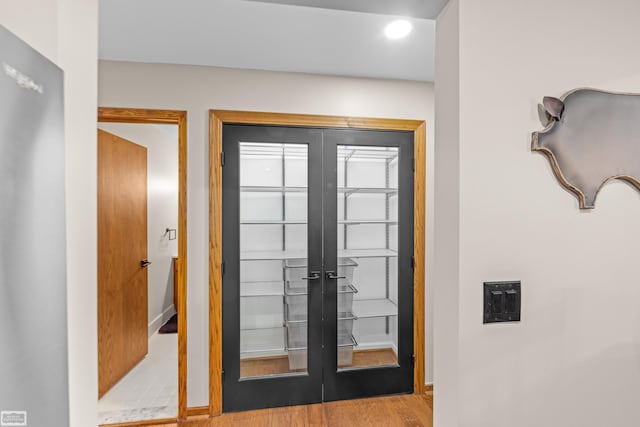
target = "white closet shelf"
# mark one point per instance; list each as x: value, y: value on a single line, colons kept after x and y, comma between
x: 303, y: 222
x: 367, y: 221
x: 300, y: 151
x: 272, y: 189
x: 272, y: 255
x: 341, y: 190
x: 277, y: 151
x: 367, y: 190
x: 302, y: 253
x: 369, y: 153
x: 374, y: 308
x: 261, y: 289
x: 367, y: 253
x: 272, y: 221
x: 262, y: 340
x: 302, y: 318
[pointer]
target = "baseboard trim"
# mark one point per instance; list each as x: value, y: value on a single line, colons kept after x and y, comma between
x: 157, y: 323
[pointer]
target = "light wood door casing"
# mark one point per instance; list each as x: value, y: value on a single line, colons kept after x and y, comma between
x: 122, y: 244
x: 217, y: 118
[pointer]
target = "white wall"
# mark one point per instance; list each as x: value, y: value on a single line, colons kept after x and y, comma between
x: 574, y: 359
x: 161, y: 142
x: 447, y: 219
x: 35, y: 22
x: 66, y: 31
x: 198, y: 89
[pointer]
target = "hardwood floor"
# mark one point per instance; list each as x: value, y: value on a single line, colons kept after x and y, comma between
x: 280, y: 364
x: 389, y: 411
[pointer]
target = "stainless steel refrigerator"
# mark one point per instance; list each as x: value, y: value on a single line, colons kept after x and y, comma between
x: 33, y: 292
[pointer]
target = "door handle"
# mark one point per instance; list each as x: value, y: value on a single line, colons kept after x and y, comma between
x: 144, y: 263
x: 332, y: 275
x: 315, y: 275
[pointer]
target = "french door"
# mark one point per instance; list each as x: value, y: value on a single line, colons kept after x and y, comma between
x: 317, y: 265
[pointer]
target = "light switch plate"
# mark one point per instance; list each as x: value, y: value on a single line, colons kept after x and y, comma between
x: 502, y: 302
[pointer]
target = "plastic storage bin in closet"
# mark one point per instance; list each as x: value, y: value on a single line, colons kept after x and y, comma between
x: 296, y: 311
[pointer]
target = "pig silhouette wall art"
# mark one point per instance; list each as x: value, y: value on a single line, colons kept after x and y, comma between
x: 591, y: 137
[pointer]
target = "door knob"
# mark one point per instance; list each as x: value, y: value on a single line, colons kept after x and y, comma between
x: 332, y: 275
x: 144, y: 263
x: 315, y: 275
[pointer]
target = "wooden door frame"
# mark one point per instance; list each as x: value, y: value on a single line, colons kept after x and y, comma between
x: 217, y: 118
x: 179, y: 118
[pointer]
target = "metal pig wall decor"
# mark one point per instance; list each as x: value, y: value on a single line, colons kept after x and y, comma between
x: 591, y: 137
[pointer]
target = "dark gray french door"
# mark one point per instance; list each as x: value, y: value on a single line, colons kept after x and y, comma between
x: 317, y: 265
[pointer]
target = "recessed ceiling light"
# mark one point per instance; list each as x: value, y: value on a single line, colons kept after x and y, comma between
x: 398, y: 29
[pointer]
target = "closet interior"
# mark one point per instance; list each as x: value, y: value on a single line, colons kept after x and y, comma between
x: 274, y: 273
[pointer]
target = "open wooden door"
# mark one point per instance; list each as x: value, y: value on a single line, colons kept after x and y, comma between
x: 122, y: 258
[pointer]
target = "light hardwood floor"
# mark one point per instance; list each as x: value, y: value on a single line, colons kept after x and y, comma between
x: 389, y: 411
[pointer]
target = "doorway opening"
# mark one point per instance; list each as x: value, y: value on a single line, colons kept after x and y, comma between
x: 141, y: 265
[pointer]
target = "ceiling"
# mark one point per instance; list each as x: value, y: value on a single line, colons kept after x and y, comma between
x: 268, y: 35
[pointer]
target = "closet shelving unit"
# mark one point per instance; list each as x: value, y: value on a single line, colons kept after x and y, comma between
x: 373, y: 313
x: 266, y: 300
x: 369, y: 174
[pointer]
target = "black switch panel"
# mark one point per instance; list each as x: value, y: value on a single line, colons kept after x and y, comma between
x: 501, y: 302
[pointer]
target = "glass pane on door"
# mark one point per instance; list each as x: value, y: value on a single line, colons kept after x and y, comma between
x: 367, y: 239
x: 273, y: 258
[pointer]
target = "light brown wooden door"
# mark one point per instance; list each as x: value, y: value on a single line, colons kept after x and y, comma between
x: 122, y: 246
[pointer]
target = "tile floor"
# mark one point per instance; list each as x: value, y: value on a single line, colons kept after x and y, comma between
x: 150, y: 390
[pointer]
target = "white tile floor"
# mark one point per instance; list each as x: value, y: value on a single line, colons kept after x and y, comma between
x: 150, y: 390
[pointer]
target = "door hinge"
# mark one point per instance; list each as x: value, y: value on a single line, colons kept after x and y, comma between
x: 222, y: 374
x: 222, y: 158
x: 414, y: 165
x: 413, y: 360
x: 413, y: 262
x: 223, y: 267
